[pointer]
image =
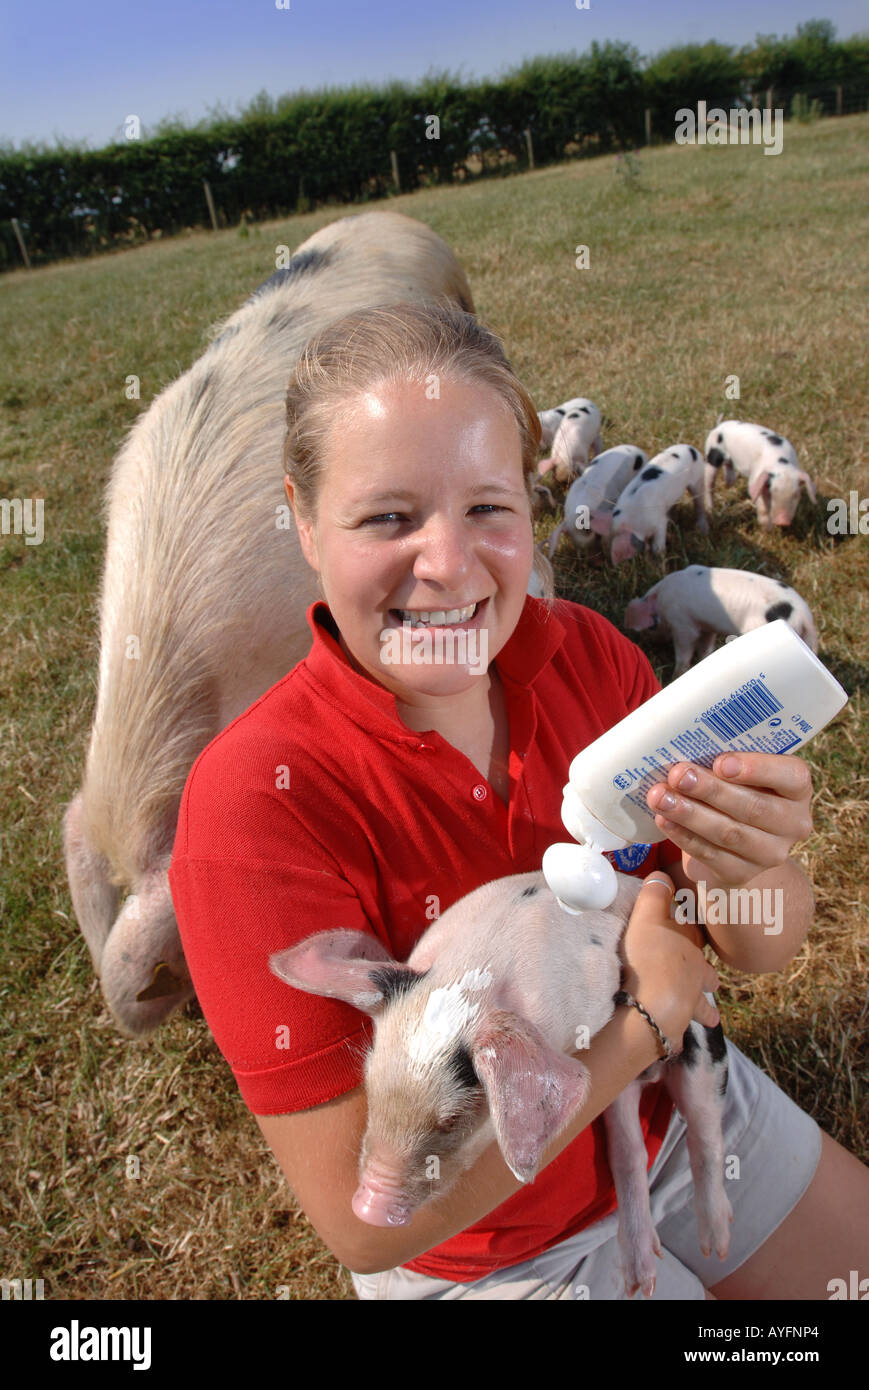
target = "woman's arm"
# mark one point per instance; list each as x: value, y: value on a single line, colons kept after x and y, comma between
x: 318, y: 1150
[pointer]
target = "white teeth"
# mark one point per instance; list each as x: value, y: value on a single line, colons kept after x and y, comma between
x: 438, y: 618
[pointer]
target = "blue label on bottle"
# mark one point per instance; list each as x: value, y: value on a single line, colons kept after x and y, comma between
x: 630, y: 858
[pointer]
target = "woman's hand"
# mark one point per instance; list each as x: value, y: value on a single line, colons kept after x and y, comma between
x: 665, y: 969
x: 734, y: 822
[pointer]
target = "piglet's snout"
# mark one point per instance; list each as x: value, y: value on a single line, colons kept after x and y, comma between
x: 381, y: 1204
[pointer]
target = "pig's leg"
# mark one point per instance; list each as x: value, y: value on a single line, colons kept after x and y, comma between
x: 700, y: 509
x: 711, y: 478
x: 628, y: 1160
x: 697, y: 1083
x: 705, y: 644
x: 685, y: 636
x: 659, y: 536
x: 94, y: 897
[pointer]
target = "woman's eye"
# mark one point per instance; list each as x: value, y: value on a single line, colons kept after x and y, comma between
x: 382, y: 516
x: 489, y: 507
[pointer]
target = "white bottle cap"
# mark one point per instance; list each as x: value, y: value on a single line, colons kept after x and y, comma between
x: 580, y: 877
x: 583, y: 826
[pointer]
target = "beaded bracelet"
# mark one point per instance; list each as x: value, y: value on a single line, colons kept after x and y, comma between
x: 622, y: 997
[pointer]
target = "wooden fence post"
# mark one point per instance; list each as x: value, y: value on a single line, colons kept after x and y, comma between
x: 648, y: 120
x: 395, y: 179
x: 210, y: 201
x: 17, y: 230
x: 838, y: 99
x: 530, y: 148
x: 769, y: 95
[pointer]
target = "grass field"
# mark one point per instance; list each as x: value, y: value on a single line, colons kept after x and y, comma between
x: 715, y: 261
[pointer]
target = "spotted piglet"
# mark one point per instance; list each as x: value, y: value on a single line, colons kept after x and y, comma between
x: 473, y: 1036
x: 767, y: 460
x: 641, y: 512
x: 697, y: 603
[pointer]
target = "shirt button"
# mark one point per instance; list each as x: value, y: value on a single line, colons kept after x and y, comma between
x: 479, y: 792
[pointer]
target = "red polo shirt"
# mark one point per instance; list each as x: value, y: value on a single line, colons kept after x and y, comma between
x: 319, y: 808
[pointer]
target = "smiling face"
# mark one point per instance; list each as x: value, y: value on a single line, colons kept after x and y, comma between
x: 423, y: 516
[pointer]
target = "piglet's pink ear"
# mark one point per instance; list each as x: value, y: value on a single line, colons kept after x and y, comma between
x: 337, y: 964
x: 758, y: 484
x: 601, y: 523
x: 533, y: 1091
x: 544, y: 466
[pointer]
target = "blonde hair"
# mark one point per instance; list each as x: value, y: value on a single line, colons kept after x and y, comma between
x: 409, y: 341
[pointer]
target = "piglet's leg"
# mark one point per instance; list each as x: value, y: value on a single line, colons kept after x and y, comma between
x: 638, y: 1239
x: 697, y: 1082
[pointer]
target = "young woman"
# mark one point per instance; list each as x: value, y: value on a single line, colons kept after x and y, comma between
x: 366, y: 793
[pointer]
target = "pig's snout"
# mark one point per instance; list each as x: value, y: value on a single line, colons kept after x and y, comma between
x: 380, y: 1205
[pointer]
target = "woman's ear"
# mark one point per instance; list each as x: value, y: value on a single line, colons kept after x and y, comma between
x: 304, y: 527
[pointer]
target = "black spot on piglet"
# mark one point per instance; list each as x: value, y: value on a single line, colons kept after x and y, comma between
x: 689, y: 1048
x: 462, y: 1068
x: 529, y: 891
x: 393, y: 981
x: 775, y: 439
x: 778, y: 610
x: 653, y: 471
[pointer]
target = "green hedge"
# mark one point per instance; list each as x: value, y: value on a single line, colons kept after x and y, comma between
x: 281, y: 156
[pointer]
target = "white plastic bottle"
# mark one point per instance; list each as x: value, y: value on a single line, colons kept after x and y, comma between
x: 764, y: 692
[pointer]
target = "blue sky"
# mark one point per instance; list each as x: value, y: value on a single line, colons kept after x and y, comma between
x: 74, y: 69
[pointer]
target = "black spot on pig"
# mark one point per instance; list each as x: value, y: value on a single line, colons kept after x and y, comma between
x: 715, y: 457
x: 585, y: 410
x: 785, y: 461
x: 529, y: 891
x: 462, y: 1068
x: 775, y: 439
x: 778, y: 610
x: 300, y: 265
x: 573, y: 415
x: 559, y: 410
x: 695, y: 453
x: 595, y: 941
x: 715, y: 1042
x: 719, y: 438
x: 653, y: 471
x: 638, y: 462
x: 690, y: 1049
x: 393, y: 981
x: 617, y: 512
x: 782, y: 584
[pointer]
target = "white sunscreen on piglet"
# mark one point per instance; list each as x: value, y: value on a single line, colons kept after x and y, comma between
x: 765, y: 692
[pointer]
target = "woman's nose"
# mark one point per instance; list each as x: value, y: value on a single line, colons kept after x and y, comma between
x: 444, y: 552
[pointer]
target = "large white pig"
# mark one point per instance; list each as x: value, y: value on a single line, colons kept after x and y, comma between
x: 472, y: 1041
x: 697, y: 603
x: 204, y: 588
x: 767, y: 460
x: 592, y: 496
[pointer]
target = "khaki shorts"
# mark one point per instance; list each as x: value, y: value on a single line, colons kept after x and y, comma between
x: 777, y: 1147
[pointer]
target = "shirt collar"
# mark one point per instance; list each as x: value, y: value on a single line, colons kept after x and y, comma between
x: 534, y: 641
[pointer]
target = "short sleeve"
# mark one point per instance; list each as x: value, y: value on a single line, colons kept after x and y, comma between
x: 288, y: 1050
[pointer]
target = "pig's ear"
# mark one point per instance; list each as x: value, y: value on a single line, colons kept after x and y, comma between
x: 809, y: 485
x: 340, y: 965
x: 533, y: 1091
x: 758, y: 484
x: 601, y: 523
